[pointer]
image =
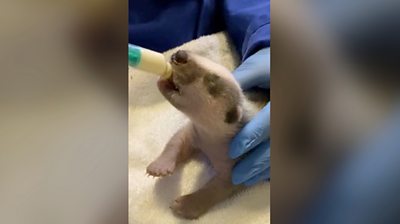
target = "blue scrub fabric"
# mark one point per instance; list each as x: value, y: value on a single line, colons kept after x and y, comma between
x: 162, y: 25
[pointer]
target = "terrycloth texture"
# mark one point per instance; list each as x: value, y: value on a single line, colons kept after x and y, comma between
x: 152, y: 122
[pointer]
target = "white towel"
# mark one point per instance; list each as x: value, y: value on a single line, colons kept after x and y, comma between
x: 152, y: 121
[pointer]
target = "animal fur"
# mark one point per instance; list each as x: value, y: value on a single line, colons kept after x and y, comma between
x: 208, y: 94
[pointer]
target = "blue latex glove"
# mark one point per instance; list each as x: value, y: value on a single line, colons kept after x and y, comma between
x: 254, y: 136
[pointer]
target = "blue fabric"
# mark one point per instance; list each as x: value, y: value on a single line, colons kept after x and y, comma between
x: 248, y: 24
x: 162, y: 25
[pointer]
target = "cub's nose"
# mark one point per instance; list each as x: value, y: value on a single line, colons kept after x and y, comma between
x: 180, y: 57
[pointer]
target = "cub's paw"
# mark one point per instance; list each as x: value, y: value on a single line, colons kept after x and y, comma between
x: 189, y: 207
x: 161, y: 167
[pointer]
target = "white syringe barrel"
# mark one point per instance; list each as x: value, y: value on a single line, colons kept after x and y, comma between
x: 149, y: 61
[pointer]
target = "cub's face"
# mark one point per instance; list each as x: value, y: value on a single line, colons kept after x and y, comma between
x: 202, y: 89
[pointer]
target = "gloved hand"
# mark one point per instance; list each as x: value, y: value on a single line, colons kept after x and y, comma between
x: 254, y: 136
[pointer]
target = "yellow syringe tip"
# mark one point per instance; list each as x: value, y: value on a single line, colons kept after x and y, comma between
x: 149, y: 61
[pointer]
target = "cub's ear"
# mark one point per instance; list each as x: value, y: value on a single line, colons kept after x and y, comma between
x: 214, y: 84
x: 233, y: 115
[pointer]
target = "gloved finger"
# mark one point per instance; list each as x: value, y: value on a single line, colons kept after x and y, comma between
x: 253, y: 164
x: 259, y: 177
x: 252, y: 134
x: 255, y: 70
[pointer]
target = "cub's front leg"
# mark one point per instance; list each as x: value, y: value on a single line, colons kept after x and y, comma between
x: 178, y: 149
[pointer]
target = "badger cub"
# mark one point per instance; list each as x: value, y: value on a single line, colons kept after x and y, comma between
x: 209, y: 95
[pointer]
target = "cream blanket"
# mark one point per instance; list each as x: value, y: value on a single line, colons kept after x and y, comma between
x: 152, y: 121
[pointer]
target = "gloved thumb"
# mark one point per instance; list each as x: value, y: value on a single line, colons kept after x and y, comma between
x: 255, y: 70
